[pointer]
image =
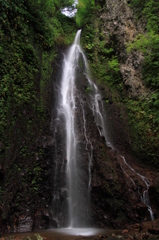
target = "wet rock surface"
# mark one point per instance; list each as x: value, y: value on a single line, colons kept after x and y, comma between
x: 25, y: 224
x: 144, y: 231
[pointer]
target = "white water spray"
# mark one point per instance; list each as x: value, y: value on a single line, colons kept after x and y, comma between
x: 78, y: 190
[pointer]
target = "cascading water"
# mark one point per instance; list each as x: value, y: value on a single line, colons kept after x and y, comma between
x: 74, y: 153
x: 144, y: 196
x: 78, y: 173
x: 101, y: 124
x: 68, y: 105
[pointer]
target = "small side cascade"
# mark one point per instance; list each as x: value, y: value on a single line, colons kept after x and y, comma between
x: 146, y: 200
x: 144, y: 196
x: 89, y: 146
x: 97, y: 107
x: 99, y: 114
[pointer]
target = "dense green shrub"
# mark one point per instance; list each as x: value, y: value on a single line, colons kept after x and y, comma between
x: 144, y: 125
x: 149, y: 45
x: 31, y: 33
x: 85, y: 11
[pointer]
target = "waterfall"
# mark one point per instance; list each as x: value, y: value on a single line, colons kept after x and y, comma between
x: 144, y: 196
x: 73, y: 151
x: 77, y: 166
x: 69, y: 107
x: 74, y: 161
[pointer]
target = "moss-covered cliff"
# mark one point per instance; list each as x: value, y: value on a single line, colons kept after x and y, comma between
x: 31, y: 34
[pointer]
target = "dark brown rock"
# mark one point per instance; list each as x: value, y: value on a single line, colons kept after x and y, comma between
x: 25, y: 224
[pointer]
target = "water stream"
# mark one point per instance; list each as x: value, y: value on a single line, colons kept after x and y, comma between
x: 144, y: 196
x: 74, y: 156
x: 78, y: 182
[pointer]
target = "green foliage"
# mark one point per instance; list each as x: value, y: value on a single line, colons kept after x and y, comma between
x: 151, y: 11
x: 148, y: 9
x: 103, y: 48
x: 85, y: 9
x: 31, y: 33
x: 149, y: 45
x: 108, y: 71
x: 114, y: 65
x: 27, y: 29
x: 139, y: 4
x: 100, y: 53
x: 144, y: 122
x: 89, y: 89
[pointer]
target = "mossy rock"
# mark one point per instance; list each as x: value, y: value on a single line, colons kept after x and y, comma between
x: 35, y: 237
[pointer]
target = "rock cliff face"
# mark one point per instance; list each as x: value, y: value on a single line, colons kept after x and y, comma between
x: 119, y: 26
x: 116, y: 188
